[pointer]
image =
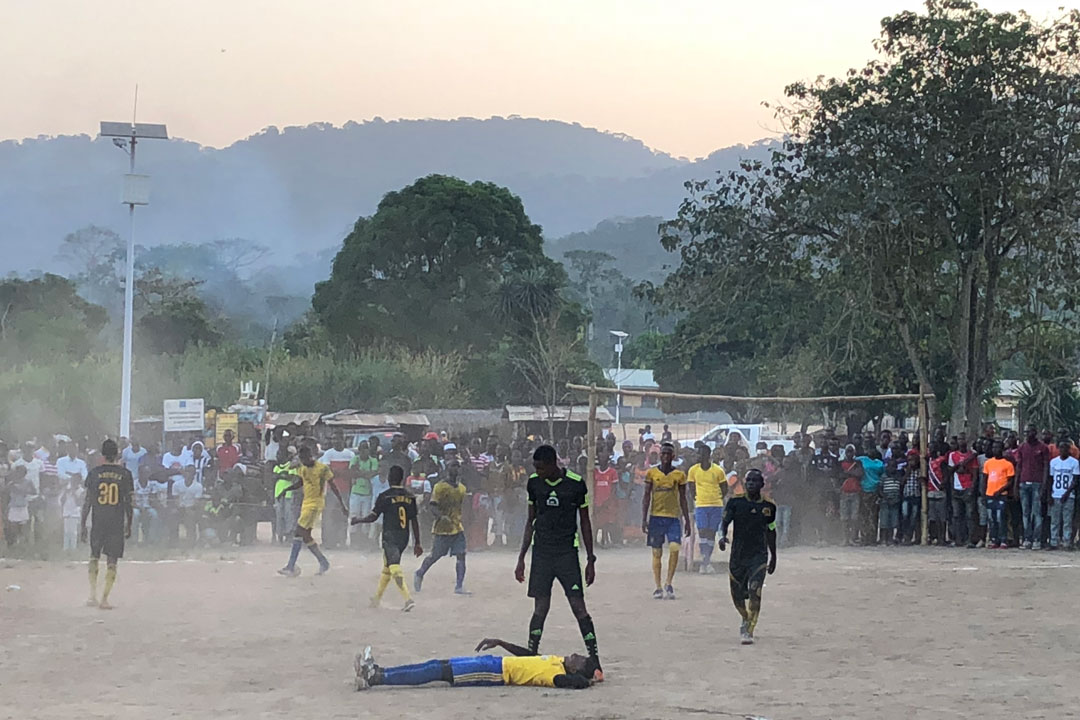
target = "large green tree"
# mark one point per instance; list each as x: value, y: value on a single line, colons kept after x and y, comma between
x: 44, y: 318
x: 928, y: 193
x: 423, y: 271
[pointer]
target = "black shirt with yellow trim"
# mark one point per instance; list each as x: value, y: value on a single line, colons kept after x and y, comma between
x: 557, y: 503
x: 752, y: 520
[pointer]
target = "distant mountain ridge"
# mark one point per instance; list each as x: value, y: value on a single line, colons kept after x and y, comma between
x: 299, y: 190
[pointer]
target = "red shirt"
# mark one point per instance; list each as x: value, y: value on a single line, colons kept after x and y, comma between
x: 965, y: 465
x: 227, y: 455
x: 851, y: 484
x: 937, y: 472
x: 1032, y: 461
x: 603, y: 483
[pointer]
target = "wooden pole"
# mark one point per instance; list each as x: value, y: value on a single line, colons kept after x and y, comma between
x: 924, y: 466
x: 590, y: 444
x: 741, y: 399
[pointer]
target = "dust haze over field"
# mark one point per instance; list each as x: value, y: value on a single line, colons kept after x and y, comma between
x: 844, y: 634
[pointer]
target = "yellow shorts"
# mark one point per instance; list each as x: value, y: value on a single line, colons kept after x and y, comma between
x: 309, y: 515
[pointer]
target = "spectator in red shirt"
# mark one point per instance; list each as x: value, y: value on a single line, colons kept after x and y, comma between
x: 228, y: 453
x: 938, y: 511
x: 605, y: 477
x: 1032, y: 468
x: 963, y: 463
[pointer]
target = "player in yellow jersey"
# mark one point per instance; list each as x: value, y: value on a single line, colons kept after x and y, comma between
x: 448, y: 532
x: 109, y: 488
x: 314, y: 477
x: 521, y: 668
x: 665, y: 497
x: 708, y: 483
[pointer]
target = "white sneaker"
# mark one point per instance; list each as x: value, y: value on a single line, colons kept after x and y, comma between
x: 704, y: 569
x: 364, y: 664
x: 1027, y: 545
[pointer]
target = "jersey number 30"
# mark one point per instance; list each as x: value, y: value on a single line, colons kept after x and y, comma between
x: 108, y: 494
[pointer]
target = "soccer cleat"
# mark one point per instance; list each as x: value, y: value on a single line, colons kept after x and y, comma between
x: 289, y: 571
x: 669, y: 593
x: 364, y: 664
x: 409, y: 605
x: 417, y: 581
x: 658, y: 594
x: 374, y: 603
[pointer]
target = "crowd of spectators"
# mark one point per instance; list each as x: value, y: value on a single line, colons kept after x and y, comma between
x: 867, y: 490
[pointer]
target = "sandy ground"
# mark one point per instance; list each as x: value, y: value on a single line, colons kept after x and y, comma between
x: 845, y: 633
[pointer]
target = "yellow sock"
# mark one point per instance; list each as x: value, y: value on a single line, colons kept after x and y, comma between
x: 656, y: 565
x: 110, y: 578
x: 399, y: 580
x: 384, y: 580
x: 673, y: 562
x: 93, y: 578
x: 755, y: 610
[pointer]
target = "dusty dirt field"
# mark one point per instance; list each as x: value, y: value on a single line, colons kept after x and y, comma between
x: 854, y: 633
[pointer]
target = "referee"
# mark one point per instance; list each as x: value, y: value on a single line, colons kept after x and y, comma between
x: 558, y: 498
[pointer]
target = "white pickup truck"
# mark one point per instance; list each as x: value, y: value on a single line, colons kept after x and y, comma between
x: 751, y: 435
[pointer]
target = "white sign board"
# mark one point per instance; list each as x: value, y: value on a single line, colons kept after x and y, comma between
x: 184, y: 415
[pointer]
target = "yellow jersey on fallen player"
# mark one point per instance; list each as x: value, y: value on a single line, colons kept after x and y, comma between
x: 537, y: 670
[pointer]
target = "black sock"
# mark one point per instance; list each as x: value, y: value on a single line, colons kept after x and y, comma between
x: 588, y: 634
x: 536, y: 630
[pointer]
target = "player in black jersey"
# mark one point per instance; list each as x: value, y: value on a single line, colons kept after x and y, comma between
x: 753, y: 549
x: 397, y: 507
x: 109, y: 488
x: 558, y: 499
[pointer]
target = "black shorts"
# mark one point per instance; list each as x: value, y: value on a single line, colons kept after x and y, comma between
x: 392, y: 553
x: 107, y: 538
x: 749, y: 576
x: 549, y: 567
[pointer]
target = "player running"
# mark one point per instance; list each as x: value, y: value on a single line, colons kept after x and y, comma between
x: 753, y: 549
x: 313, y: 479
x: 523, y: 668
x: 708, y: 483
x: 109, y: 488
x: 665, y: 497
x: 397, y: 507
x: 449, y: 534
x: 558, y: 500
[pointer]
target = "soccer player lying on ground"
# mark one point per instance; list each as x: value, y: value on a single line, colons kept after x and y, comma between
x: 523, y: 668
x: 397, y: 507
x: 753, y: 551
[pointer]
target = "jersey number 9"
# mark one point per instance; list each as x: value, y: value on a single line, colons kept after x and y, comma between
x: 108, y: 494
x: 402, y: 516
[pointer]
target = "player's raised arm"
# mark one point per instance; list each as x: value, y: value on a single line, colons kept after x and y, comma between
x: 492, y: 643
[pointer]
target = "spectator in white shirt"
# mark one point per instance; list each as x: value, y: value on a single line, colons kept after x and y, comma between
x: 71, y: 501
x: 146, y: 514
x: 34, y: 465
x: 70, y: 465
x: 132, y: 457
x: 189, y: 496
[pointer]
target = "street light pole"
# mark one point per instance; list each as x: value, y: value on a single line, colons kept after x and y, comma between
x: 620, y: 336
x: 136, y: 192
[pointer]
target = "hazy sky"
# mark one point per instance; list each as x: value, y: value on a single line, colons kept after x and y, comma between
x: 684, y: 76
